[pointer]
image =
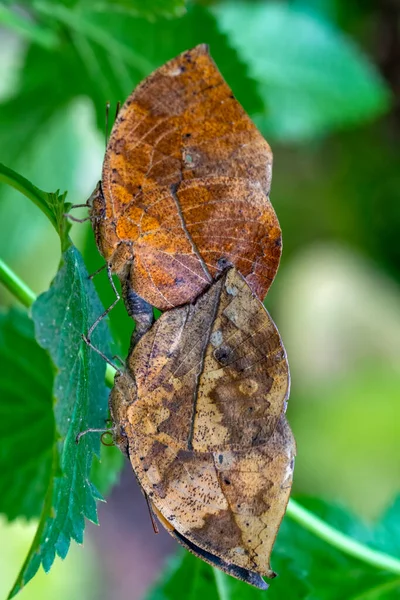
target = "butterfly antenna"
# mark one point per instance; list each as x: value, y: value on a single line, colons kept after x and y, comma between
x: 152, y: 516
x: 117, y: 109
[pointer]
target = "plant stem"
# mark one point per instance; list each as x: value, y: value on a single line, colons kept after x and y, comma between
x: 341, y: 541
x: 295, y: 511
x: 14, y: 285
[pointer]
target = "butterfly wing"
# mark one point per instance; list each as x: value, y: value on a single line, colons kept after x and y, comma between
x: 206, y: 389
x: 185, y: 187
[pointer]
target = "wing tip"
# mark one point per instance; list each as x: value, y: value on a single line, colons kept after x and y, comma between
x: 241, y: 573
x: 201, y: 49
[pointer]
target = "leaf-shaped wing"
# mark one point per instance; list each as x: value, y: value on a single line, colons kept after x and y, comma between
x: 200, y: 413
x: 185, y: 187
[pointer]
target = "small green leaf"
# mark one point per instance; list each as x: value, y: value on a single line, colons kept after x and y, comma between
x: 312, y: 77
x: 51, y: 203
x: 61, y: 315
x: 26, y: 417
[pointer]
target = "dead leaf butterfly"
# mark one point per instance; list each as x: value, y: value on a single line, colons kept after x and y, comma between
x: 200, y: 413
x: 185, y: 189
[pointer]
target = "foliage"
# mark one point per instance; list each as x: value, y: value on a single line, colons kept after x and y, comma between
x: 57, y: 468
x: 60, y: 316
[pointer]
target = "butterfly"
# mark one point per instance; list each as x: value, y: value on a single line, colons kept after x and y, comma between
x: 184, y: 190
x: 200, y: 412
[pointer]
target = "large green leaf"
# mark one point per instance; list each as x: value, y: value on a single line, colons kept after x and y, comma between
x: 26, y: 417
x: 61, y: 315
x: 308, y: 568
x: 312, y: 77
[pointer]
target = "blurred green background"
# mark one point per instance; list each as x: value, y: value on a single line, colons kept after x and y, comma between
x: 321, y: 80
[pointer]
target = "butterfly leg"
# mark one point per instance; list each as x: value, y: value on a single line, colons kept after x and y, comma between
x: 76, y: 219
x: 99, y: 270
x: 87, y: 204
x: 87, y: 337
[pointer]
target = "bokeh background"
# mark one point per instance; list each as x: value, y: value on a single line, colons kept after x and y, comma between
x: 321, y: 79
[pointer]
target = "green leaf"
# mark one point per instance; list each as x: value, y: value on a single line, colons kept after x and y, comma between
x: 52, y: 204
x: 26, y: 417
x: 308, y: 568
x: 313, y: 78
x: 61, y: 315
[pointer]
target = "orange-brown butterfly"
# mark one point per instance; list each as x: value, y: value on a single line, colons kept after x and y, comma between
x: 184, y: 190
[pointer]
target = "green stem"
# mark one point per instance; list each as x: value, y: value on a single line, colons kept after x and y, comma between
x: 15, y: 285
x: 295, y: 511
x: 341, y: 541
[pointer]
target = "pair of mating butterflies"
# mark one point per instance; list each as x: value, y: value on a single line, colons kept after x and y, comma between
x: 182, y: 216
